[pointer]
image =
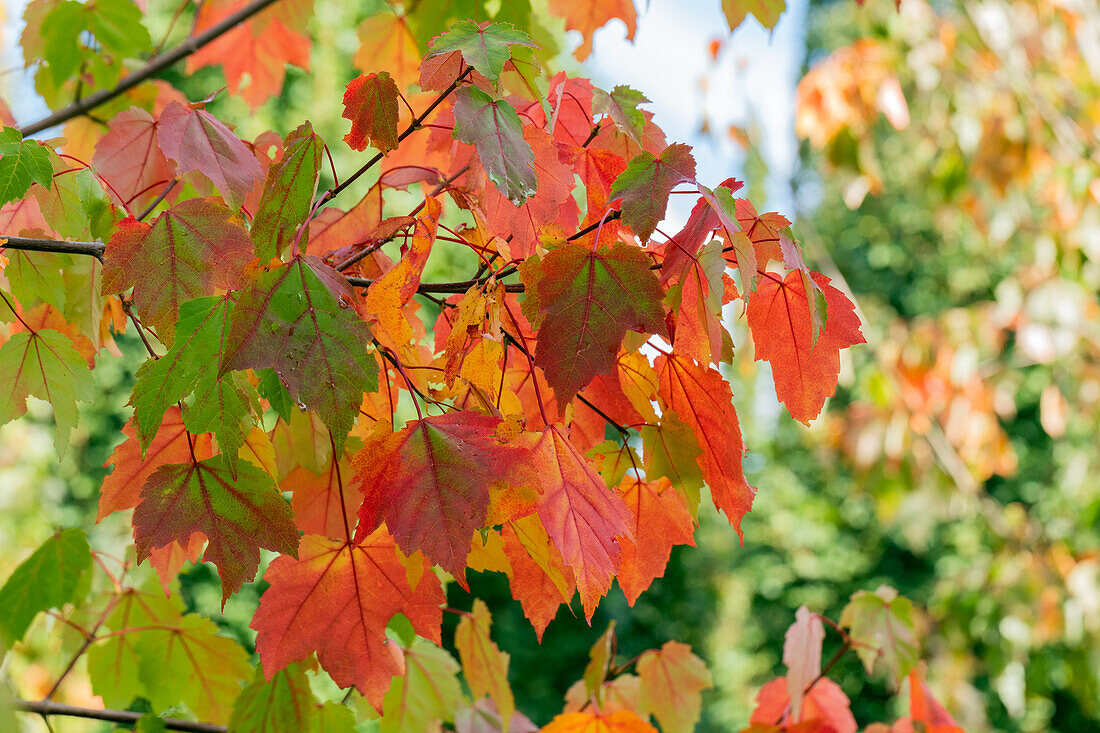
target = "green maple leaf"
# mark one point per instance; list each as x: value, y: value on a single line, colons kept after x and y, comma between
x: 427, y: 693
x: 621, y: 105
x: 167, y: 658
x: 237, y: 516
x: 191, y: 366
x: 43, y: 364
x: 646, y: 183
x: 22, y: 162
x: 485, y: 46
x: 299, y: 319
x: 583, y: 303
x: 283, y: 703
x: 493, y: 127
x: 882, y: 622
x: 287, y: 194
x: 53, y: 576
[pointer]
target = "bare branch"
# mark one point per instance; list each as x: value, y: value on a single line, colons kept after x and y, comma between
x: 153, y: 67
x: 95, y: 249
x: 49, y: 707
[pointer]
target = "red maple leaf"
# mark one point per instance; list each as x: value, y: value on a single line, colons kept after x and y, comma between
x: 256, y: 50
x: 336, y: 600
x: 583, y: 302
x: 702, y: 399
x: 430, y: 482
x: 659, y: 519
x: 583, y: 518
x: 805, y: 372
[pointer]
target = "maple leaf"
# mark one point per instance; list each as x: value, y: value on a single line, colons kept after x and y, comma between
x: 128, y: 157
x: 583, y: 519
x: 925, y: 712
x: 621, y: 721
x: 484, y: 665
x: 196, y: 141
x: 670, y: 449
x: 598, y: 170
x: 370, y: 102
x: 287, y: 194
x: 882, y: 623
x: 49, y: 578
x: 427, y: 693
x: 703, y: 401
x: 621, y: 105
x: 725, y: 208
x: 256, y: 50
x: 539, y: 579
x: 22, y: 162
x: 336, y: 600
x: 192, y: 360
x: 484, y: 46
x: 430, y: 484
x: 43, y: 364
x: 387, y: 43
x: 802, y: 656
x: 190, y: 250
x: 645, y: 184
x: 583, y: 302
x: 524, y: 223
x: 323, y: 503
x: 298, y: 319
x: 825, y: 708
x: 672, y: 680
x: 238, y: 517
x: 283, y: 703
x: 659, y: 519
x: 805, y: 371
x: 121, y: 488
x: 697, y: 302
x: 166, y: 658
x: 493, y: 128
x: 765, y: 11
x: 586, y: 16
x: 389, y: 293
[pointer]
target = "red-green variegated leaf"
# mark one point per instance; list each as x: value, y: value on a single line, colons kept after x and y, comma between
x: 189, y: 251
x: 238, y: 516
x: 645, y: 185
x: 583, y: 302
x: 370, y: 102
x: 493, y: 127
x: 299, y: 319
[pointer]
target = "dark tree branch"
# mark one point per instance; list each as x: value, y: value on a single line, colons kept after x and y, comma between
x: 153, y: 67
x: 49, y: 707
x: 95, y: 249
x: 455, y: 287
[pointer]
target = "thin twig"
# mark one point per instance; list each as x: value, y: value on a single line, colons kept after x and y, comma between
x: 160, y: 197
x: 153, y: 67
x: 49, y: 707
